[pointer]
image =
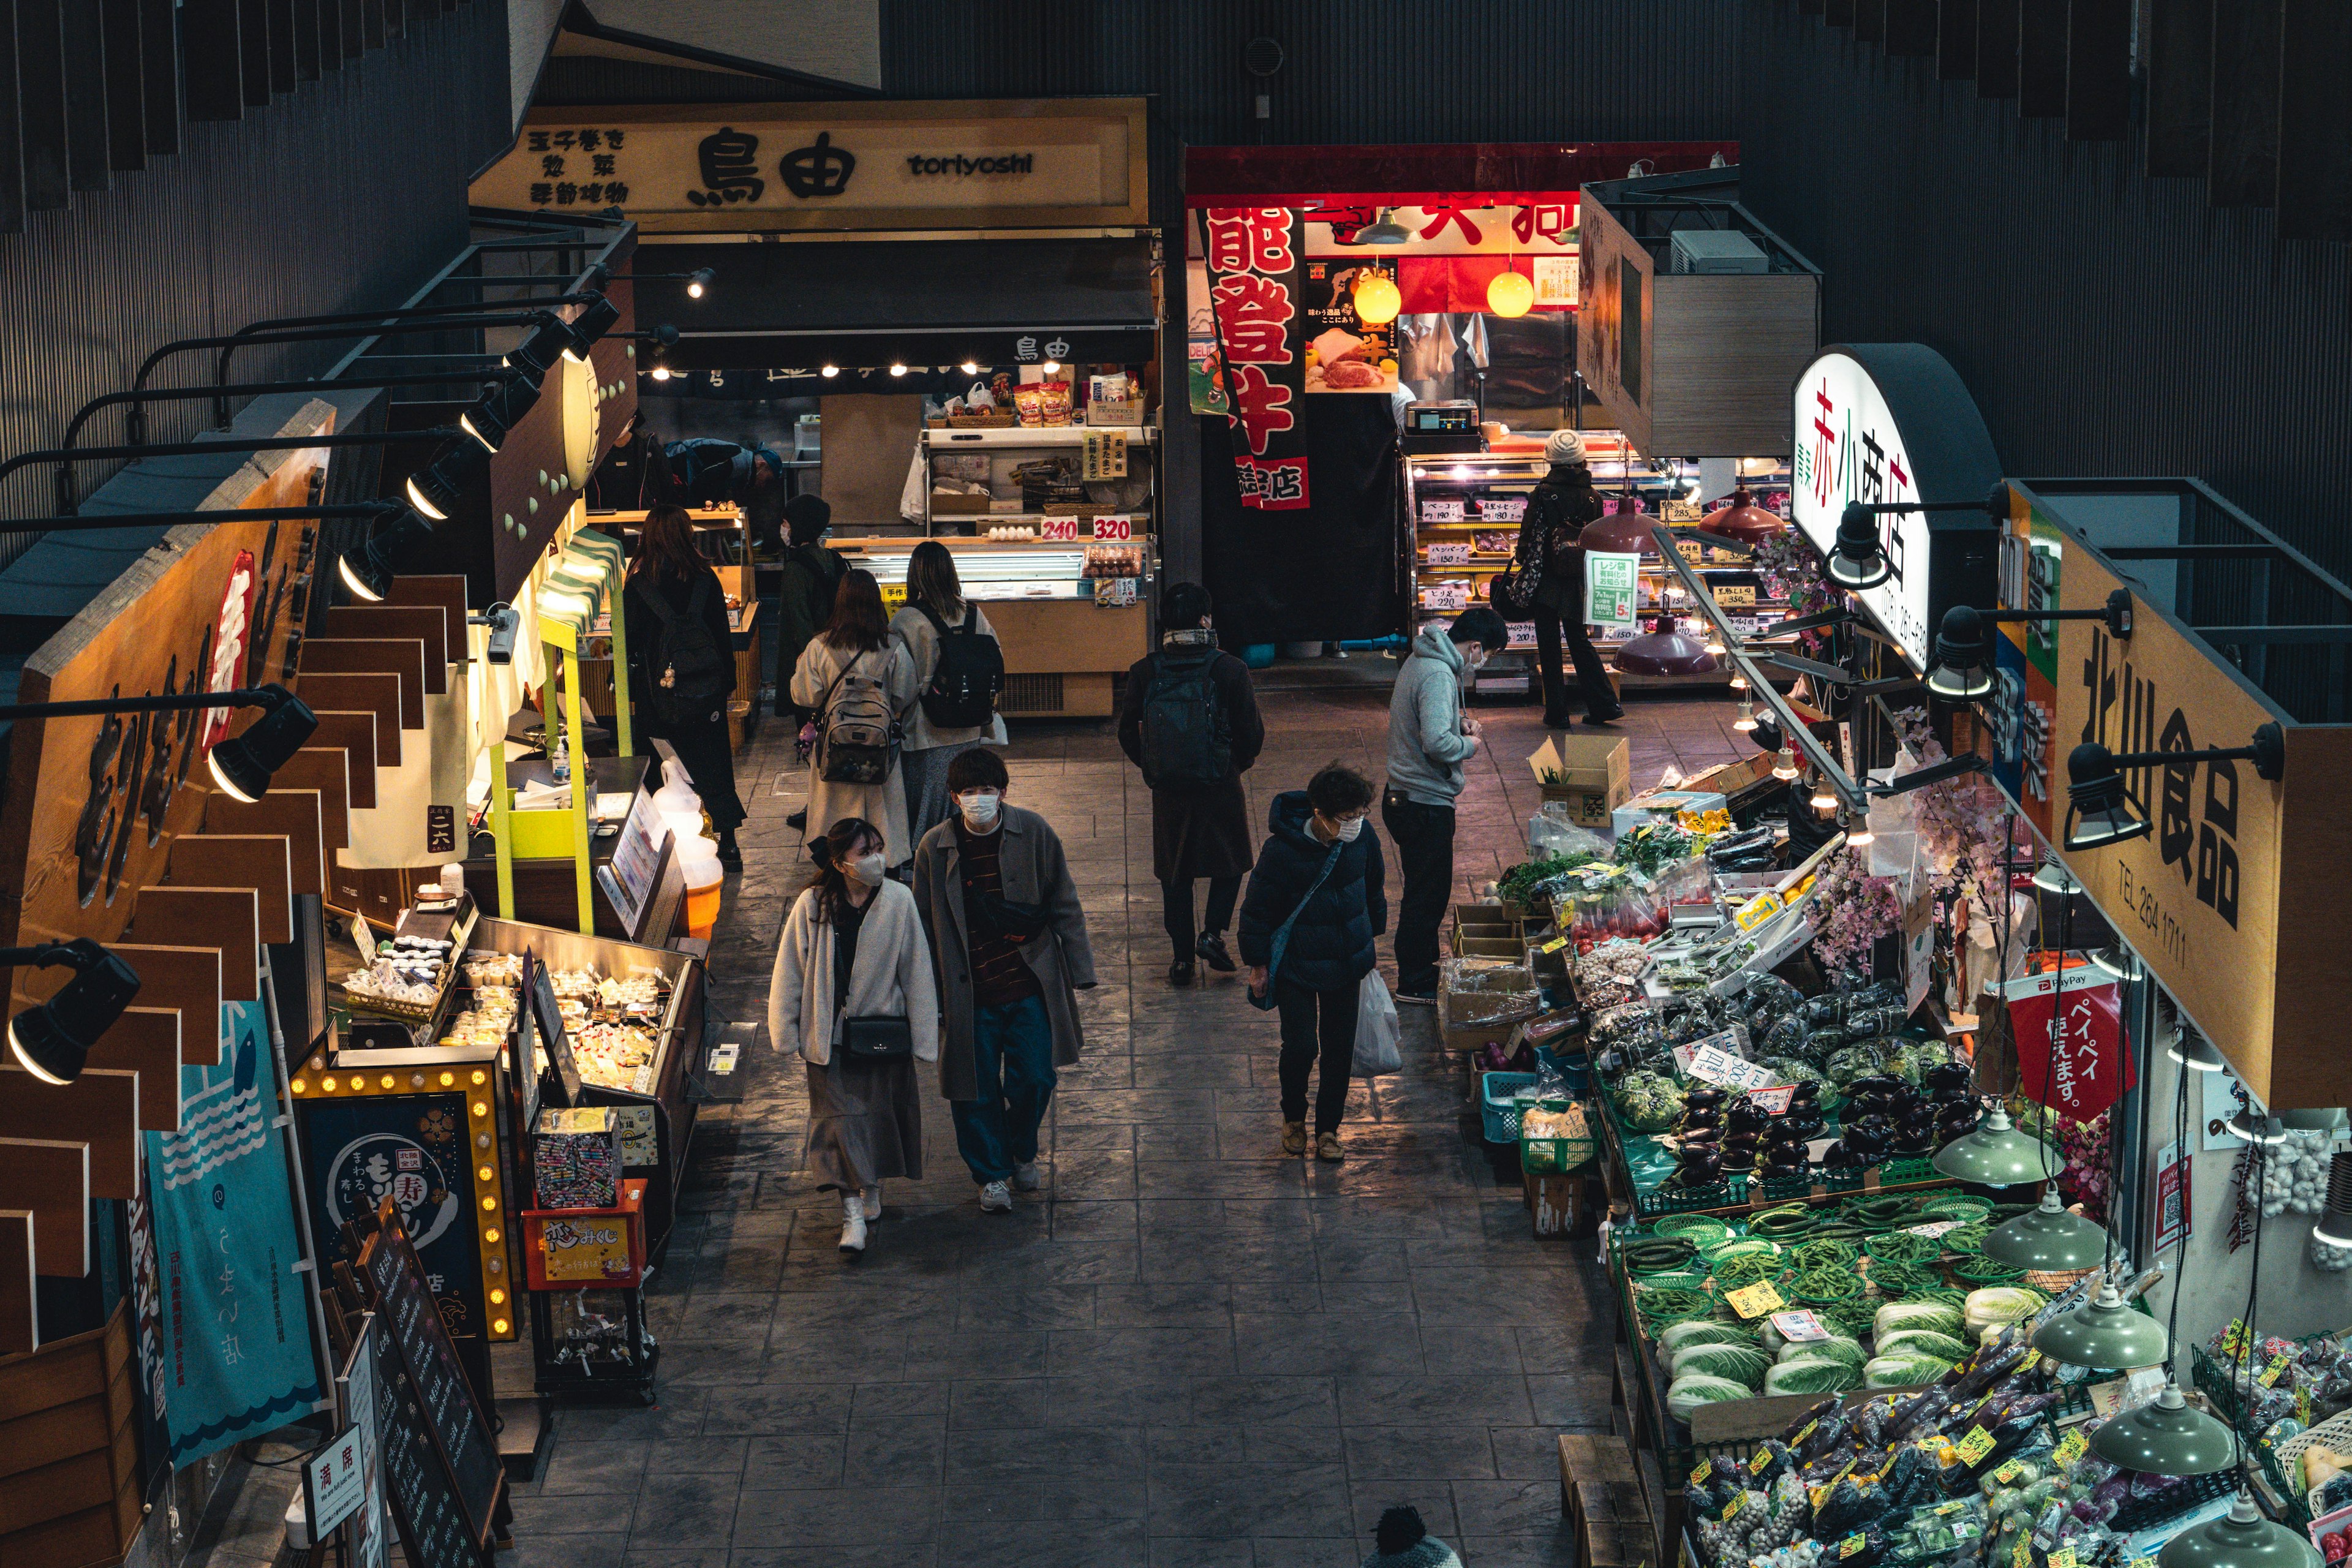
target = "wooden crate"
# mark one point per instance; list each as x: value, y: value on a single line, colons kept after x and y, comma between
x: 1560, y: 1203
x: 1600, y: 1493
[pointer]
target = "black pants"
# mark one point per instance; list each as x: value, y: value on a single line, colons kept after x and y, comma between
x: 703, y: 748
x: 1304, y: 1036
x: 1600, y: 697
x: 1425, y: 841
x: 1176, y: 910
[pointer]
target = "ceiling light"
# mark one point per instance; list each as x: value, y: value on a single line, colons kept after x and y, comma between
x: 1856, y: 826
x: 897, y: 368
x: 1510, y: 294
x: 2053, y: 877
x: 2097, y: 814
x: 2242, y: 1539
x: 242, y: 765
x: 2107, y: 1335
x: 1052, y: 367
x: 1738, y: 682
x: 1822, y: 799
x: 1388, y: 231
x: 1858, y: 561
x: 1784, y: 764
x: 368, y: 572
x: 2047, y: 1239
x: 1376, y: 299
x: 52, y: 1039
x: 661, y: 366
x: 1998, y: 1154
x: 2168, y: 1437
x: 1747, y: 719
x: 969, y: 367
x: 435, y: 489
x: 1961, y: 668
x: 2194, y: 1052
x: 829, y: 372
x: 2114, y: 961
x: 699, y: 281
x: 2335, y: 1224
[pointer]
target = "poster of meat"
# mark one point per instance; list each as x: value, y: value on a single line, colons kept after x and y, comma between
x: 1343, y: 354
x: 1254, y: 255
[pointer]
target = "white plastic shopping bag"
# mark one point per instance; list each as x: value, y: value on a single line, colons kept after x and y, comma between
x: 1376, y: 1029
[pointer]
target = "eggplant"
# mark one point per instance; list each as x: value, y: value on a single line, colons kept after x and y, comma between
x: 1808, y: 1124
x: 1699, y: 1137
x: 1702, y: 1099
x: 1739, y: 1157
x: 1744, y: 1115
x: 1805, y: 1093
x: 1838, y: 1157
x: 1874, y: 1083
x: 1702, y: 1116
x: 1914, y: 1142
x: 1701, y: 1167
x: 1945, y: 1075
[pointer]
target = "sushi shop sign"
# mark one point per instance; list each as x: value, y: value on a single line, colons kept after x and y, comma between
x: 835, y: 166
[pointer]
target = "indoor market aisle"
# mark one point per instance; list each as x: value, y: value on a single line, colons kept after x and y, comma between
x: 1187, y: 1350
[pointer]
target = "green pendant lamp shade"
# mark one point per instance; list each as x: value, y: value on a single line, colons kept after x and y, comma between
x: 1998, y: 1155
x: 2243, y: 1539
x: 2106, y: 1336
x: 2049, y: 1240
x: 2167, y: 1438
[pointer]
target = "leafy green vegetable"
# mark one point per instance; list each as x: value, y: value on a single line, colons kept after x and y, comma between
x: 1520, y: 880
x: 1900, y: 1316
x: 1687, y: 1393
x: 1812, y: 1374
x: 1922, y: 1342
x: 1702, y: 1332
x: 1840, y: 1349
x: 1903, y: 1371
x: 1738, y: 1364
x: 1647, y: 1103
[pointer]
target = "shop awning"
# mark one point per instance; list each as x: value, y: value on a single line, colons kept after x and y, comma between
x: 921, y: 302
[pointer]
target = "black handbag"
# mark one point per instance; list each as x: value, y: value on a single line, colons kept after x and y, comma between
x: 877, y: 1038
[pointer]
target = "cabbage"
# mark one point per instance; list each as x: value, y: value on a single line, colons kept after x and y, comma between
x: 1687, y: 1393
x: 1895, y: 1317
x: 1847, y: 1351
x: 1735, y: 1363
x: 1812, y: 1374
x: 2001, y: 1304
x: 1702, y: 1332
x: 1903, y: 1371
x: 1921, y: 1341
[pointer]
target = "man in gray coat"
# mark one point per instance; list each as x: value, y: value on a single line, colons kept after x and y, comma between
x: 1429, y: 737
x: 1009, y: 948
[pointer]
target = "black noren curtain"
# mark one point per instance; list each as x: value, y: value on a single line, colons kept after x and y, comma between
x: 1329, y: 572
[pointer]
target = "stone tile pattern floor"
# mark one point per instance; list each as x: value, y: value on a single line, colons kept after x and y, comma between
x: 1186, y: 1350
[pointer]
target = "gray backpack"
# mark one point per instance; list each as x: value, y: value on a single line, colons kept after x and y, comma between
x: 857, y: 729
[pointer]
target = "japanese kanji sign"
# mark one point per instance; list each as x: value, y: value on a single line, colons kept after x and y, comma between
x: 2069, y: 1031
x: 1254, y: 255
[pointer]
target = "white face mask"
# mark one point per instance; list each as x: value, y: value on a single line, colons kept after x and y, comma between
x: 980, y: 810
x: 870, y: 870
x: 1347, y: 832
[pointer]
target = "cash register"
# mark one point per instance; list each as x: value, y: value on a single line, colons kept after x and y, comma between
x: 1448, y: 426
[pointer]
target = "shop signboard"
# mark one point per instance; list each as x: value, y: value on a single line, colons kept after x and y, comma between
x: 2069, y: 1034
x: 1345, y: 354
x: 1892, y: 422
x: 1612, y: 583
x: 1254, y: 256
x: 831, y: 165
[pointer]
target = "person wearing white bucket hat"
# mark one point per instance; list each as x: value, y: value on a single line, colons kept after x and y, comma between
x: 1549, y: 567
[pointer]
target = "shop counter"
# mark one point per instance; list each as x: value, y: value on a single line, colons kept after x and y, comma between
x: 639, y: 892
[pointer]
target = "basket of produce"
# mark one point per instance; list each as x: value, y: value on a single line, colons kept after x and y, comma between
x: 1824, y: 1252
x: 1783, y: 1224
x: 1976, y: 1272
x: 1955, y: 1205
x: 1744, y: 1268
x: 1698, y: 1229
x: 1822, y: 1284
x: 1661, y: 1255
x: 1902, y: 1246
x: 1556, y: 1138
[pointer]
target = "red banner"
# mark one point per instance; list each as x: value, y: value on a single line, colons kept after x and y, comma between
x: 2070, y: 1043
x: 1254, y: 255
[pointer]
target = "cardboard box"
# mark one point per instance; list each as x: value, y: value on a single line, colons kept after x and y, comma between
x: 1588, y: 774
x: 1667, y: 803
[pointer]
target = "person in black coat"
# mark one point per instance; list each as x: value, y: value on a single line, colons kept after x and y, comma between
x: 666, y: 563
x: 1196, y: 831
x: 1319, y: 976
x: 1560, y: 506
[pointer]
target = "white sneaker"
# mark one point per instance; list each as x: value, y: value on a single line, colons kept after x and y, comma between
x: 995, y: 1198
x: 853, y: 1226
x: 874, y: 1200
x: 1025, y: 1177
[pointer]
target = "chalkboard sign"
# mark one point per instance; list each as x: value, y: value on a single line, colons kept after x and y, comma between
x: 436, y: 1382
x: 540, y: 991
x: 435, y: 1532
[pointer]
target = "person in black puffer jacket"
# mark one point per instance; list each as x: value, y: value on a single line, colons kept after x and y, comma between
x: 1330, y: 946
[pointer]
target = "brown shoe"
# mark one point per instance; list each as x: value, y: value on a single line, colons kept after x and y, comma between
x: 1327, y: 1148
x: 1294, y: 1138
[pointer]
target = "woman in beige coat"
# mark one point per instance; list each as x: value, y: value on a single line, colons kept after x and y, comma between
x: 854, y: 947
x: 935, y: 599
x: 853, y: 652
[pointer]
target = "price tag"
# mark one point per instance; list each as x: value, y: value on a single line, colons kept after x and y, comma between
x: 1736, y: 596
x: 2141, y: 1562
x: 1975, y: 1446
x: 2270, y: 1374
x: 1502, y: 509
x: 1446, y: 596
x: 1933, y: 1230
x: 1449, y: 555
x: 1759, y: 1461
x: 2032, y: 1358
x: 1690, y: 549
x: 2233, y: 1340
x: 1699, y: 1477
x: 1850, y: 1545
x: 1810, y: 1427
x: 1801, y: 1326
x: 1739, y: 1500
x: 1757, y: 910
x: 1845, y: 1470
x: 2070, y: 1447
x: 2062, y: 1558
x: 1440, y: 511
x: 2009, y: 1472
x: 2303, y: 1405
x: 1755, y: 1301
x: 2021, y: 1556
x: 1733, y: 1072
x: 1773, y: 1102
x: 1112, y: 529
x: 1058, y: 529
x: 1554, y: 945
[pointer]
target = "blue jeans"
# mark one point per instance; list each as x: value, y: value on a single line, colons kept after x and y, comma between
x: 1013, y: 1055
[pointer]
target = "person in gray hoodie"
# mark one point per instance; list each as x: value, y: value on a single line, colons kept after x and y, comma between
x: 1429, y: 737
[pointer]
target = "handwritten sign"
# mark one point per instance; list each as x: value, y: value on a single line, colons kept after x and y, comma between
x: 1058, y: 529
x: 1736, y: 596
x: 1440, y: 510
x: 1975, y: 1446
x: 1773, y: 1102
x: 2070, y: 1447
x: 1502, y: 509
x: 1755, y: 1301
x: 1446, y: 597
x: 1801, y: 1326
x: 1113, y: 528
x: 1455, y: 554
x: 1716, y: 1065
x: 1850, y: 1545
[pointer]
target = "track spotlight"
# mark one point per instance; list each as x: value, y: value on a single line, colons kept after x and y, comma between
x: 52, y: 1039
x: 698, y: 282
x: 242, y: 765
x: 434, y: 489
x: 829, y: 372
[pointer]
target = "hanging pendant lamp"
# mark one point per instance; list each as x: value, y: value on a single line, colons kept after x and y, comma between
x: 1624, y: 531
x: 2106, y: 1336
x: 2195, y: 1052
x: 1997, y: 1154
x: 2168, y: 1437
x: 1510, y: 293
x: 1741, y: 518
x: 1662, y: 650
x: 2240, y: 1538
x: 2048, y: 1240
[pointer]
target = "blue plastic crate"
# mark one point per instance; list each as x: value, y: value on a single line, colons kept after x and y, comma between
x: 1574, y: 1065
x: 1499, y: 1107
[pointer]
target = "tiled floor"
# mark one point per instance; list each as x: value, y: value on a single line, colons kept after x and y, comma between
x: 1186, y: 1350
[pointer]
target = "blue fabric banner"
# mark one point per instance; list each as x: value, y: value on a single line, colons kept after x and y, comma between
x: 237, y: 1354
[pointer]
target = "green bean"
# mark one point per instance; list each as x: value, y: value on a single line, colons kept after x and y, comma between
x: 1901, y: 1247
x: 1827, y: 1284
x: 1823, y: 1252
x: 1746, y: 1268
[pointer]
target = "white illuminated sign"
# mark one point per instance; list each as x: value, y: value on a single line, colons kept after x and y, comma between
x: 1849, y: 448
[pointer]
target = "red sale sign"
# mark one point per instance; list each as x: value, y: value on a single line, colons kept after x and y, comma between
x: 2070, y: 1041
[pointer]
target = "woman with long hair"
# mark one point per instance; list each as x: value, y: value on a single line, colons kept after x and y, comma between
x: 853, y: 949
x: 682, y: 664
x: 855, y: 680
x: 936, y: 610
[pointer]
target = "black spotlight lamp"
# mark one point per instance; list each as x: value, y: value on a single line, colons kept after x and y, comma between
x: 2096, y: 812
x: 1858, y: 559
x: 242, y: 765
x: 1961, y: 671
x: 52, y: 1039
x: 595, y: 319
x: 434, y: 489
x: 368, y: 573
x: 698, y: 282
x: 504, y: 621
x: 499, y: 412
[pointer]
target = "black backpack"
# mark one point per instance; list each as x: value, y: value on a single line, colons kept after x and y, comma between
x: 969, y: 675
x: 825, y: 571
x: 1187, y: 739
x: 694, y: 671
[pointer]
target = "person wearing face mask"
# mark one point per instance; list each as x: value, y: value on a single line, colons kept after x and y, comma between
x: 1319, y: 875
x: 1429, y: 737
x: 853, y: 953
x: 1009, y: 949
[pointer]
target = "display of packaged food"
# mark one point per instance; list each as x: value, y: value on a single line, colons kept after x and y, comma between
x: 575, y: 1158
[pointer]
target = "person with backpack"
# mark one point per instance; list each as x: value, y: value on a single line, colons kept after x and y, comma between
x: 855, y: 681
x: 1315, y: 912
x: 682, y: 664
x: 959, y: 672
x: 1547, y: 573
x: 1189, y: 720
x: 806, y: 580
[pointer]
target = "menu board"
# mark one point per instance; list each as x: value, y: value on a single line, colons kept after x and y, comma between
x: 433, y: 1388
x: 635, y: 860
x: 369, y: 1543
x: 539, y: 993
x: 434, y: 1530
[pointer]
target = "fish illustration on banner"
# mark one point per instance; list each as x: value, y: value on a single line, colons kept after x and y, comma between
x: 1254, y: 255
x: 237, y: 1356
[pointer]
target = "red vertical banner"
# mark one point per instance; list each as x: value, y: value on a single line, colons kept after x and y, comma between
x: 1255, y: 256
x: 2070, y: 1042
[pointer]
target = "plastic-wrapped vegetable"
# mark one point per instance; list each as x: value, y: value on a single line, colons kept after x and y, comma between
x: 1849, y: 1062
x: 1836, y: 1348
x: 1922, y: 1342
x: 1702, y: 1332
x: 1812, y: 1374
x: 1902, y: 1370
x: 1901, y: 1317
x: 1648, y: 1102
x: 1742, y: 1364
x: 1687, y: 1392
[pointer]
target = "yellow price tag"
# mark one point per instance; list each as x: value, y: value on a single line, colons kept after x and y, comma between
x: 1736, y: 596
x: 2270, y: 1374
x: 2009, y: 1472
x: 1757, y: 910
x: 1843, y: 1470
x: 1975, y: 1446
x: 1554, y: 945
x: 1807, y: 1430
x: 2070, y: 1447
x: 2032, y: 1358
x: 1755, y: 1301
x: 1699, y: 1475
x: 2233, y: 1338
x: 2021, y: 1556
x: 2141, y: 1562
x: 1757, y: 1460
x: 894, y: 596
x: 2303, y: 1405
x: 2062, y: 1558
x: 1739, y: 1500
x: 1689, y: 549
x: 1850, y: 1545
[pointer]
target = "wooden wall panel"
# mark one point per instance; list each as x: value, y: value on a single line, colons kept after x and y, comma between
x: 403, y: 656
x: 443, y: 644
x: 101, y: 1109
x: 261, y: 861
x: 20, y: 1317
x: 326, y: 771
x: 62, y: 1404
x: 292, y: 813
x: 377, y: 694
x: 186, y: 980
x: 146, y: 1040
x: 354, y: 733
x: 52, y: 1175
x: 227, y: 917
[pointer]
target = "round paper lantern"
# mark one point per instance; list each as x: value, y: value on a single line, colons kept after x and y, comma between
x: 1510, y: 294
x: 1377, y: 300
